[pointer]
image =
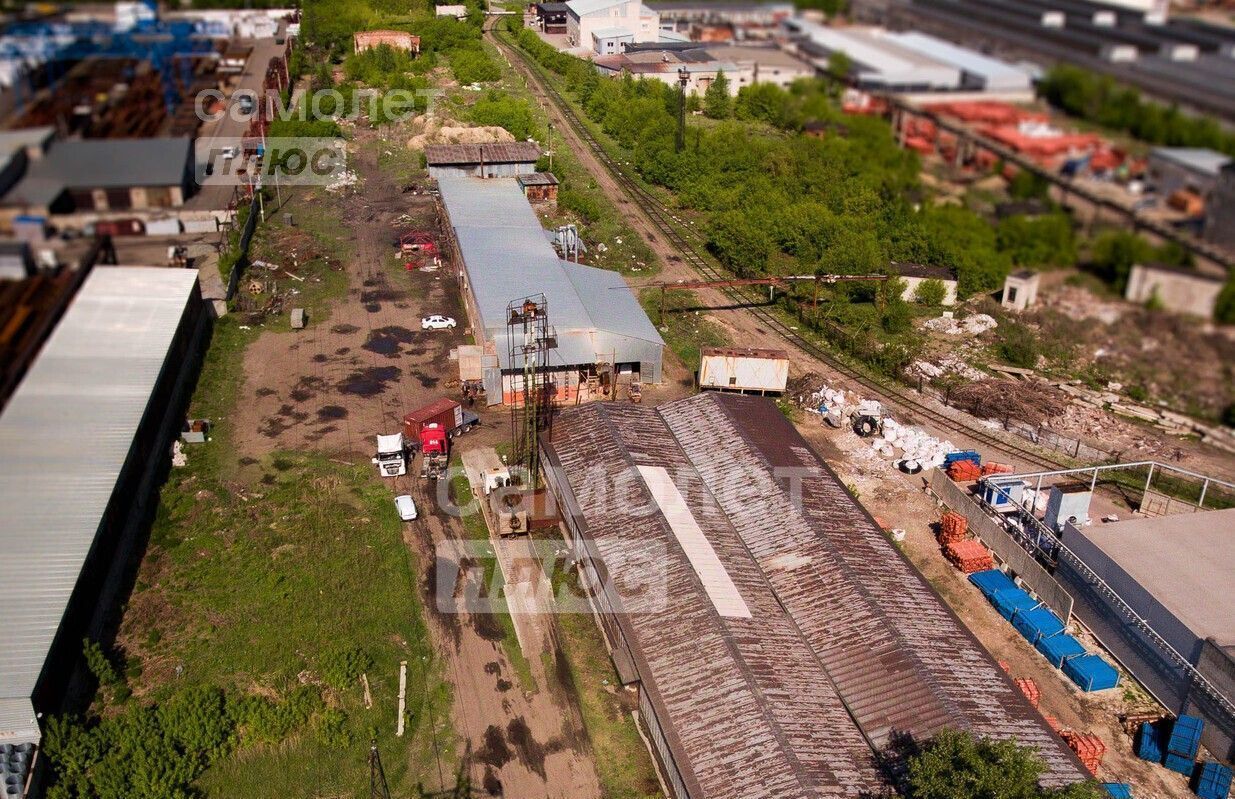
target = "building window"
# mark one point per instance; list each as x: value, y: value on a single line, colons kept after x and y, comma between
x: 733, y: 381
x: 1011, y: 293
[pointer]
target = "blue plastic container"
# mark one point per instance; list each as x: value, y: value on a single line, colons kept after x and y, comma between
x: 962, y: 455
x: 1212, y: 781
x: 1185, y: 737
x: 992, y: 581
x: 1037, y: 623
x: 1009, y: 601
x: 1184, y: 765
x: 1118, y: 790
x: 1091, y: 673
x: 1149, y: 743
x: 1058, y: 649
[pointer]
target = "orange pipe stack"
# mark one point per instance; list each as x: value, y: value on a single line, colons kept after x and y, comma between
x: 990, y: 467
x: 952, y: 527
x: 963, y: 471
x: 1089, y: 748
x: 1029, y: 688
x: 968, y: 556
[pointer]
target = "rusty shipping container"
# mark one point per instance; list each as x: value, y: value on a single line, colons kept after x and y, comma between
x: 744, y: 370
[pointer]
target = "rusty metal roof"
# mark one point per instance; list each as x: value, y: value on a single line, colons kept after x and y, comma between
x: 515, y: 152
x: 827, y: 592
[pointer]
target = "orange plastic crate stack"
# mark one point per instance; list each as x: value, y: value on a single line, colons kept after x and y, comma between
x: 968, y: 556
x: 1029, y: 688
x: 1089, y: 748
x: 962, y: 471
x: 990, y: 467
x: 952, y: 527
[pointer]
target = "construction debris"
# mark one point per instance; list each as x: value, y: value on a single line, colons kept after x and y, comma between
x: 1030, y: 402
x: 972, y: 325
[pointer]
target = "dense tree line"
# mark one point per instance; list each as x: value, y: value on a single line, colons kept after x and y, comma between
x: 1098, y: 98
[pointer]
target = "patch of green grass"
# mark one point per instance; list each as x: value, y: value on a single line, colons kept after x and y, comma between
x: 622, y: 760
x: 683, y: 328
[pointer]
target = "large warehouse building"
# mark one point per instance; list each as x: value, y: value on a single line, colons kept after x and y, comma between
x: 504, y: 256
x: 83, y: 441
x: 780, y: 644
x: 1175, y: 572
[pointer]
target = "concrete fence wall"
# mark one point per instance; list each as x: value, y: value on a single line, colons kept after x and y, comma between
x: 1022, y: 564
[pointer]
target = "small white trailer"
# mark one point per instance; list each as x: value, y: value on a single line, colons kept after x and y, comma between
x: 749, y: 371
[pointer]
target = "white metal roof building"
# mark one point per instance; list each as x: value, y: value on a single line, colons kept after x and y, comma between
x: 878, y: 62
x: 506, y: 256
x: 79, y: 440
x: 978, y: 71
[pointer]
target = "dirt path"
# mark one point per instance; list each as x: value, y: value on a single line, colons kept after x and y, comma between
x: 333, y: 386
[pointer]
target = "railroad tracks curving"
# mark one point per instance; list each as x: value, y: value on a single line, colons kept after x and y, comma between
x: 692, y: 249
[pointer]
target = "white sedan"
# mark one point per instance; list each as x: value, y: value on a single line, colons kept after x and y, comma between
x: 406, y: 507
x: 437, y: 322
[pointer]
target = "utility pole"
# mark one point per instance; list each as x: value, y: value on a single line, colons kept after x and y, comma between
x: 683, y: 79
x: 378, y: 789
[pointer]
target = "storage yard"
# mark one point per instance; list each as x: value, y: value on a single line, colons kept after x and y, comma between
x: 524, y: 458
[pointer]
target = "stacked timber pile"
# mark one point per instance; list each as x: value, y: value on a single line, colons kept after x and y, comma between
x: 952, y: 527
x: 968, y: 556
x: 1089, y: 748
x: 1029, y: 688
x: 964, y: 471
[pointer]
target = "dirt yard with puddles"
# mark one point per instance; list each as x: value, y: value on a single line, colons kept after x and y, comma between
x: 339, y: 382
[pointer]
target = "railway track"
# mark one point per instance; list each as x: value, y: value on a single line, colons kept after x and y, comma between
x: 691, y: 247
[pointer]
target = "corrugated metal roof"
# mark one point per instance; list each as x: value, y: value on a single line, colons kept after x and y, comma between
x: 786, y: 529
x: 1198, y: 159
x: 18, y: 723
x: 582, y: 8
x: 995, y: 74
x: 507, y: 257
x: 745, y: 706
x: 64, y: 437
x: 516, y: 152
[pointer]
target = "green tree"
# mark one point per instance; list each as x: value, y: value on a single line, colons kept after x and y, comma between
x: 931, y: 292
x: 99, y: 663
x: 716, y: 101
x: 957, y: 765
x: 1018, y: 345
x: 1224, y: 308
x: 1114, y: 253
x: 839, y: 65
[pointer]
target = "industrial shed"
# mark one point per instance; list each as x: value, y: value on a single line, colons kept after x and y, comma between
x: 83, y: 441
x: 878, y: 62
x: 1176, y: 573
x: 505, y: 255
x: 779, y: 642
x: 493, y: 160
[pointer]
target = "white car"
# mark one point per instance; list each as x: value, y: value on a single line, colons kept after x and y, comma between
x: 406, y: 507
x: 437, y: 322
x: 229, y: 153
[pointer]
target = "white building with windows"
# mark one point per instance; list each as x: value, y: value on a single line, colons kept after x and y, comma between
x: 588, y: 17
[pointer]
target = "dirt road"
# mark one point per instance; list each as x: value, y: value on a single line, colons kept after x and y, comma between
x: 342, y: 380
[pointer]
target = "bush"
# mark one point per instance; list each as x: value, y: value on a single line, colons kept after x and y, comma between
x: 342, y: 667
x: 503, y: 111
x: 1018, y: 345
x: 99, y: 663
x: 956, y: 764
x: 897, y: 318
x: 931, y: 293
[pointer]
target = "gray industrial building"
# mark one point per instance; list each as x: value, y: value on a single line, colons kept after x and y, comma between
x: 1178, y: 574
x: 84, y: 441
x: 492, y: 160
x: 1193, y: 168
x: 505, y: 255
x: 779, y: 643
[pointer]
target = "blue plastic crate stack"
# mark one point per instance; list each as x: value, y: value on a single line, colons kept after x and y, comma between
x: 1212, y: 781
x: 1118, y: 790
x: 1043, y: 629
x: 1175, y: 745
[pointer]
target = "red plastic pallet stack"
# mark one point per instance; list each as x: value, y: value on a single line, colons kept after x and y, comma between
x: 1006, y: 666
x: 952, y: 527
x: 968, y: 556
x: 963, y: 471
x: 990, y: 467
x: 1089, y: 748
x: 1052, y: 722
x: 1029, y: 688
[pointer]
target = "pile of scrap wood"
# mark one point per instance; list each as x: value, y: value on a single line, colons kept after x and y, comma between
x: 1031, y: 402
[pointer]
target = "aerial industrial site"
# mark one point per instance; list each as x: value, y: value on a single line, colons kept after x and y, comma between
x: 617, y: 399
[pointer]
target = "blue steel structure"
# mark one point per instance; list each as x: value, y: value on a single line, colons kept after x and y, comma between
x: 169, y: 47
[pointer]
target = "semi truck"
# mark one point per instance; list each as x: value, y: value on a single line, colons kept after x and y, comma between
x: 391, y: 457
x: 432, y: 427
